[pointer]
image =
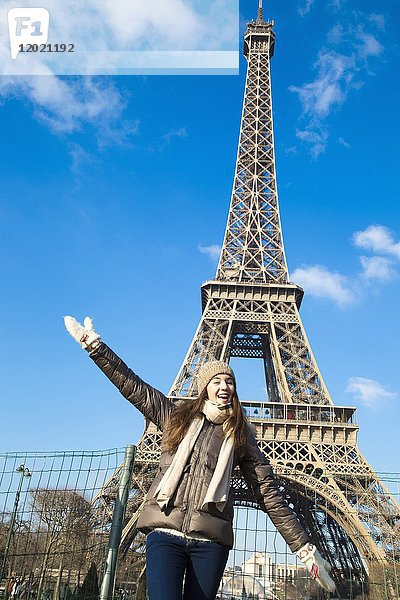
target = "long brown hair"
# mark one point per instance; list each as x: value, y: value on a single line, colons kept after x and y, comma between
x: 186, y: 410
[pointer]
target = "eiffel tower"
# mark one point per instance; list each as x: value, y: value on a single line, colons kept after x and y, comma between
x: 251, y: 310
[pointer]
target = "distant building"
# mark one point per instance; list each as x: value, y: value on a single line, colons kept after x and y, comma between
x: 258, y: 578
x: 245, y: 586
x: 286, y: 572
x: 259, y: 565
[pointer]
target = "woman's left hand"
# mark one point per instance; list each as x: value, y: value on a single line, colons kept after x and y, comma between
x: 317, y: 566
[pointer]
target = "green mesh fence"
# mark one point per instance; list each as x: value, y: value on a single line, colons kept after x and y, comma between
x: 55, y: 518
x: 53, y: 538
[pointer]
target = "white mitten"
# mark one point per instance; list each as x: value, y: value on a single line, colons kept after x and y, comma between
x: 84, y: 334
x: 317, y: 566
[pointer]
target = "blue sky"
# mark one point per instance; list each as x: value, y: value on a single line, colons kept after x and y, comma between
x: 115, y: 191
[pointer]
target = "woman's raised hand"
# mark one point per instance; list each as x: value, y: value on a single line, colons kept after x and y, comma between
x: 84, y: 334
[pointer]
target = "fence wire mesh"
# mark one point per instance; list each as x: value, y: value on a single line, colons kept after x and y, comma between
x: 52, y: 542
x: 55, y: 518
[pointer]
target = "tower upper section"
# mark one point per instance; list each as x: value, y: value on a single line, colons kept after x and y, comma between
x: 253, y: 245
x: 259, y: 34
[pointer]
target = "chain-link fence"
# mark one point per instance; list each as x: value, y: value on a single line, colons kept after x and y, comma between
x: 56, y: 512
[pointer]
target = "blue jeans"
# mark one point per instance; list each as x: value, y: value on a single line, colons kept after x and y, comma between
x: 171, y: 559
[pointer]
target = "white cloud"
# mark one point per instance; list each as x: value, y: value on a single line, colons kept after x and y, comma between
x: 335, y: 34
x: 67, y: 106
x: 318, y: 282
x: 316, y: 138
x: 378, y: 21
x: 336, y: 4
x: 79, y: 158
x: 368, y: 44
x: 305, y: 8
x: 329, y: 88
x: 291, y: 150
x: 175, y: 133
x: 150, y: 23
x: 319, y: 97
x: 369, y: 392
x: 377, y: 238
x: 212, y: 251
x: 340, y: 67
x: 377, y: 268
x: 344, y: 143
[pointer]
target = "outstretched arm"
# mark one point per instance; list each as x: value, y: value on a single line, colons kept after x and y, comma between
x: 260, y: 478
x: 151, y: 402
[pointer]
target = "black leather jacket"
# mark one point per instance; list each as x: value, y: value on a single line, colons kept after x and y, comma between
x: 184, y: 512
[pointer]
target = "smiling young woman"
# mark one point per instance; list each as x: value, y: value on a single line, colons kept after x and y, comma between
x: 220, y: 390
x: 188, y: 512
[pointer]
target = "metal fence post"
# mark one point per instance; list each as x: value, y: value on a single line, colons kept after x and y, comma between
x: 107, y: 586
x: 24, y: 473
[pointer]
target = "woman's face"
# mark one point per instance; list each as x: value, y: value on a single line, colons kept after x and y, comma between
x: 220, y: 390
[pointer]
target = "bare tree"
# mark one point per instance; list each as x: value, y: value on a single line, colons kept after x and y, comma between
x: 4, y: 530
x: 10, y: 541
x: 64, y: 523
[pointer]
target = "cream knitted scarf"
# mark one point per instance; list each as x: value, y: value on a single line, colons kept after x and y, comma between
x: 218, y: 490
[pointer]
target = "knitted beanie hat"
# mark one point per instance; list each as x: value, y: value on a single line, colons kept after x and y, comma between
x: 209, y: 370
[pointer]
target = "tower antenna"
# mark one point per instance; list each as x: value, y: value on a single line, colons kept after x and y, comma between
x: 260, y: 11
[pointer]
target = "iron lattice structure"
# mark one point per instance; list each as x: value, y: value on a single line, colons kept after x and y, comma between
x: 251, y: 310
